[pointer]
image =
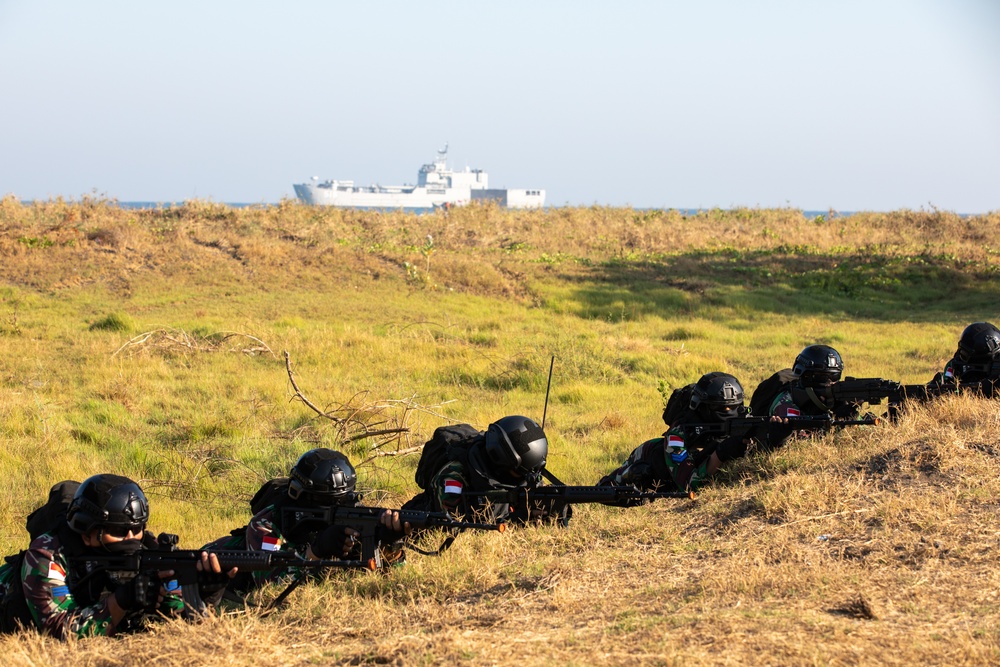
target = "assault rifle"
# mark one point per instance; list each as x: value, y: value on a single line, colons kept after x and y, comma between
x: 768, y: 433
x: 873, y: 390
x: 184, y: 563
x: 556, y: 497
x: 366, y: 520
x: 759, y: 427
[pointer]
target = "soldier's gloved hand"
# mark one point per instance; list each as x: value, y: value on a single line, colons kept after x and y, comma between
x: 391, y: 530
x: 211, y: 578
x: 390, y: 520
x: 334, y: 541
x: 544, y: 511
x: 137, y: 593
x: 564, y: 516
x: 846, y: 411
x: 539, y: 510
x: 683, y: 475
x: 639, y: 474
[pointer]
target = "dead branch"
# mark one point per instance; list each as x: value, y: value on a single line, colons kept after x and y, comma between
x: 408, y: 404
x: 398, y: 452
x: 261, y: 345
x: 359, y: 418
x: 138, y: 340
x: 371, y: 434
x: 171, y: 339
x: 301, y: 396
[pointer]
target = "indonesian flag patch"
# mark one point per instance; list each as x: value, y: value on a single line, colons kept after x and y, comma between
x: 675, y: 441
x: 56, y: 571
x: 792, y: 412
x: 452, y: 486
x: 270, y: 543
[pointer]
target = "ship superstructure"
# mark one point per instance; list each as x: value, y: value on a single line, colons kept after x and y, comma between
x: 437, y: 186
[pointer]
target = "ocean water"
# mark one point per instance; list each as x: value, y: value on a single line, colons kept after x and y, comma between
x: 683, y: 211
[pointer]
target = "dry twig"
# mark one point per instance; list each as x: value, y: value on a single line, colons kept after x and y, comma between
x: 173, y: 339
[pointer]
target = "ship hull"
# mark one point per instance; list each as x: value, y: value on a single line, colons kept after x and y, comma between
x: 317, y: 195
x: 437, y: 186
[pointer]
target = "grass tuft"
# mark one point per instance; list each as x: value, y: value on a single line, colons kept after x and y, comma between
x: 119, y: 322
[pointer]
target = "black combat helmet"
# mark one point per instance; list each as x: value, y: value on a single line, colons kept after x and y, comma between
x: 322, y: 477
x: 818, y: 366
x: 980, y: 343
x: 717, y: 396
x: 514, y: 445
x: 110, y: 503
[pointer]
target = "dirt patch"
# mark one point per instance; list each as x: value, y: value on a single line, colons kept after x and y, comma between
x: 849, y: 548
x: 991, y: 450
x: 917, y: 461
x: 916, y: 555
x: 858, y: 607
x: 746, y: 509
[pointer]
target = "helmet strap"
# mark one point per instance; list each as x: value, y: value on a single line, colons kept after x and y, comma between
x: 552, y: 479
x: 816, y: 400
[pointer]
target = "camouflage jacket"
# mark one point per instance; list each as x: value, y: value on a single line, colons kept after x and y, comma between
x: 784, y: 405
x: 64, y: 600
x: 448, y: 491
x: 453, y: 490
x: 957, y: 370
x: 794, y: 402
x: 668, y: 463
x: 261, y: 534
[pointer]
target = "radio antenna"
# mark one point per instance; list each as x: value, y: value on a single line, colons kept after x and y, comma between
x: 547, y: 388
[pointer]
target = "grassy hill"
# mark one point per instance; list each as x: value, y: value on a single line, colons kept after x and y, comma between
x: 152, y: 344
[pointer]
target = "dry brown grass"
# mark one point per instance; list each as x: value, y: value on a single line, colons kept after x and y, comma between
x: 480, y: 249
x: 873, y: 546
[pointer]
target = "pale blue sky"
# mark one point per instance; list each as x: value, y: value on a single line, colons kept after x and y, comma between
x: 854, y: 105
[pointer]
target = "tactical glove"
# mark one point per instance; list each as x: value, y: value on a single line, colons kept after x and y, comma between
x: 846, y: 411
x: 138, y: 593
x: 683, y: 474
x: 333, y: 542
x: 210, y: 584
x: 639, y: 474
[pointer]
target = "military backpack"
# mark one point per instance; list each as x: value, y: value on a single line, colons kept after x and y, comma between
x: 50, y: 517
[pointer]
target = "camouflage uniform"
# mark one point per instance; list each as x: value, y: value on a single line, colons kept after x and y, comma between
x: 672, y: 462
x: 261, y: 534
x: 785, y: 405
x: 796, y: 402
x: 950, y: 373
x: 453, y: 489
x: 60, y: 604
x: 447, y: 493
x: 957, y: 370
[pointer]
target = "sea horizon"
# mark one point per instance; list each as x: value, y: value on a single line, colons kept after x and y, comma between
x: 146, y: 205
x: 808, y: 213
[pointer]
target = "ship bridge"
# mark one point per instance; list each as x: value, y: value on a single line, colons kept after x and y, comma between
x: 437, y: 175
